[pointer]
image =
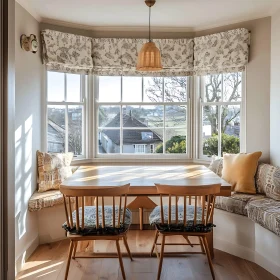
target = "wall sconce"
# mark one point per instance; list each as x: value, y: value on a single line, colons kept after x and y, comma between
x: 29, y: 43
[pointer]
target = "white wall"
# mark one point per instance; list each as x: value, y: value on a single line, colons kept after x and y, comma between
x: 28, y: 76
x: 275, y: 91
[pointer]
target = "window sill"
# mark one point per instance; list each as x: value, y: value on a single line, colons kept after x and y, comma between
x: 137, y: 161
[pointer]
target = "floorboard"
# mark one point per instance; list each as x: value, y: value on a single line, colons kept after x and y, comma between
x: 48, y: 262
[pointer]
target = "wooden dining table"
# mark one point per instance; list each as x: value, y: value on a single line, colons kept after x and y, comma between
x: 142, y: 179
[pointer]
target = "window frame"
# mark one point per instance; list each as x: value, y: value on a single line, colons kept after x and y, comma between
x: 84, y: 86
x: 127, y: 156
x: 199, y: 117
x: 194, y: 123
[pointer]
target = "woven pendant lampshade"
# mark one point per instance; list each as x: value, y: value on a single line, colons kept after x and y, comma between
x: 149, y: 58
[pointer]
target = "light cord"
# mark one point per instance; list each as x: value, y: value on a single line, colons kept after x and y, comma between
x: 150, y: 24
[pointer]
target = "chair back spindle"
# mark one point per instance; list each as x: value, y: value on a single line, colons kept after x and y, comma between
x: 196, y: 209
x: 75, y: 220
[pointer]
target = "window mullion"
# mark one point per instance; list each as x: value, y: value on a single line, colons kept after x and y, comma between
x: 164, y: 131
x: 66, y: 129
x: 121, y: 129
x: 219, y: 131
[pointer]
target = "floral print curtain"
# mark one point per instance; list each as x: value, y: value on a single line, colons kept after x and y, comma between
x: 217, y: 53
x: 222, y: 52
x: 66, y: 52
x: 119, y: 56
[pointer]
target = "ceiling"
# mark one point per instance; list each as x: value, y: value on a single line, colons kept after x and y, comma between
x: 190, y: 15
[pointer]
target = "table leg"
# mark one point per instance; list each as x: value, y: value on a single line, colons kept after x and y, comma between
x: 141, y: 218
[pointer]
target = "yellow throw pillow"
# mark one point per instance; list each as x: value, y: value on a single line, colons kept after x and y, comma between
x: 239, y: 170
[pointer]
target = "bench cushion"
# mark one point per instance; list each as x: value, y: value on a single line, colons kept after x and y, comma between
x: 39, y: 201
x: 265, y: 212
x: 268, y: 180
x: 236, y: 203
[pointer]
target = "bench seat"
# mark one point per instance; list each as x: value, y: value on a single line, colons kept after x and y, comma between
x: 47, y: 199
x: 265, y: 212
x: 236, y: 203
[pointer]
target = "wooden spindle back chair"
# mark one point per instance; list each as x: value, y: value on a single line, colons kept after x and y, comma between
x: 99, y: 222
x: 193, y: 217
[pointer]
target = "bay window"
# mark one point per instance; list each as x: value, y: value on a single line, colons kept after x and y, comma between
x: 135, y: 117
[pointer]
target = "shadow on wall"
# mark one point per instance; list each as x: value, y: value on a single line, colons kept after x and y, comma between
x: 24, y: 172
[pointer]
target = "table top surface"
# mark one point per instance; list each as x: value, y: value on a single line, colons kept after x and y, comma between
x: 142, y: 178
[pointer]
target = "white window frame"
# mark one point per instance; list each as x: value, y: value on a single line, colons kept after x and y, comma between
x: 124, y: 156
x: 138, y: 150
x: 201, y: 103
x: 83, y: 91
x: 194, y: 123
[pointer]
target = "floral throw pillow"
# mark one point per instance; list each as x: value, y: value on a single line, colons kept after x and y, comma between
x: 53, y: 169
x: 268, y: 180
x: 216, y: 165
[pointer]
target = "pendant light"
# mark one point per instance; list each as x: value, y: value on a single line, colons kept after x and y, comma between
x: 149, y: 58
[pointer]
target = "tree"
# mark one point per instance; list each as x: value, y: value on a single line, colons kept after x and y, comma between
x: 230, y: 144
x: 177, y: 144
x: 175, y: 91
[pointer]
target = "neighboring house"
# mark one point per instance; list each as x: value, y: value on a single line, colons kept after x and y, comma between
x: 55, y: 137
x: 140, y: 141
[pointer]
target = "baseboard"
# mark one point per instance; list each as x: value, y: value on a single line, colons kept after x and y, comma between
x: 268, y: 264
x: 21, y: 259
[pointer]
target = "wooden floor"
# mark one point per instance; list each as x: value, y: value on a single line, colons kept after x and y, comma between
x: 49, y: 262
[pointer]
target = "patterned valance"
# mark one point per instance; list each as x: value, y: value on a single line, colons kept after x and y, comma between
x: 119, y: 56
x: 66, y: 52
x: 222, y: 52
x: 217, y: 53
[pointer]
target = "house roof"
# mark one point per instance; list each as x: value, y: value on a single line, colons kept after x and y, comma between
x: 131, y: 136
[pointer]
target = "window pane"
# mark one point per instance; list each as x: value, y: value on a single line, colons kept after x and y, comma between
x: 109, y: 89
x: 109, y: 141
x: 230, y: 119
x: 73, y: 87
x: 132, y: 89
x: 75, y: 129
x: 56, y: 129
x: 143, y: 116
x: 175, y: 141
x: 142, y: 141
x: 175, y: 89
x: 213, y: 88
x: 175, y: 116
x: 153, y: 87
x: 109, y: 116
x: 55, y: 86
x: 210, y: 130
x: 232, y: 87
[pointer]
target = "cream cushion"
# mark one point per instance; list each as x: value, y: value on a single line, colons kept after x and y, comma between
x: 239, y: 170
x: 53, y: 169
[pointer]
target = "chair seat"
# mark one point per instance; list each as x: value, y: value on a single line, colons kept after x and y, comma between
x: 155, y: 219
x: 236, y: 203
x: 266, y: 212
x: 90, y: 220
